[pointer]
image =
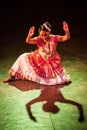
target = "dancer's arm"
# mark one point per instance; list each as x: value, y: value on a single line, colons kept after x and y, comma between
x: 29, y: 38
x: 67, y: 33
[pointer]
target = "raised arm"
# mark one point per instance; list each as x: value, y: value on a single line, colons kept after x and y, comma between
x: 29, y: 38
x: 67, y: 33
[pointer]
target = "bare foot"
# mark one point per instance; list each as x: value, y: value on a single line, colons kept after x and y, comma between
x: 9, y: 79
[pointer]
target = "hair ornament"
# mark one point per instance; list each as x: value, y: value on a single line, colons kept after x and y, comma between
x: 47, y: 27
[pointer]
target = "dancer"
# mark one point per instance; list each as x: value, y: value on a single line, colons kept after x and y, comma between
x: 43, y: 65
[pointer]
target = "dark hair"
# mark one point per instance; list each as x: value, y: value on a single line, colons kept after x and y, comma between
x: 45, y: 27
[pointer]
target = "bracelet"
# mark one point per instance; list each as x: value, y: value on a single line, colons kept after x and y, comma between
x: 29, y: 37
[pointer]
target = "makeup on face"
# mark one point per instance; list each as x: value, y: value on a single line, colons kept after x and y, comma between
x: 44, y: 35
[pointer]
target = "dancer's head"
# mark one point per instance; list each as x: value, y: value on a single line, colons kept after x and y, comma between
x: 44, y: 30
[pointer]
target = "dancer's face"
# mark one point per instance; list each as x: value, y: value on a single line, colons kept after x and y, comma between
x: 44, y: 35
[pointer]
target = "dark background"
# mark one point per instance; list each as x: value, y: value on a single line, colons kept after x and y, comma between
x: 17, y: 16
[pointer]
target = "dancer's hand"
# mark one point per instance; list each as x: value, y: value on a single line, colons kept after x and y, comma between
x: 65, y: 26
x: 31, y: 31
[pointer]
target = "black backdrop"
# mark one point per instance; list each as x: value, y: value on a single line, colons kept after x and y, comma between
x: 20, y: 15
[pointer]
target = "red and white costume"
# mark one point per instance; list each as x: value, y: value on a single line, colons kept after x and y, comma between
x: 42, y: 66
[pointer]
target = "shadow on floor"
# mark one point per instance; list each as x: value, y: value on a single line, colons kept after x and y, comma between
x: 49, y: 94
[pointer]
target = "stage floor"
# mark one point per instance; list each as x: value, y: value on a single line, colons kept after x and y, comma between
x: 25, y: 105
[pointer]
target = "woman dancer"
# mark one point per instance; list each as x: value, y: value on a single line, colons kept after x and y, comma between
x: 44, y: 64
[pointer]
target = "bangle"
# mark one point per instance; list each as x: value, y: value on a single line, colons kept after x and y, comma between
x: 29, y: 37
